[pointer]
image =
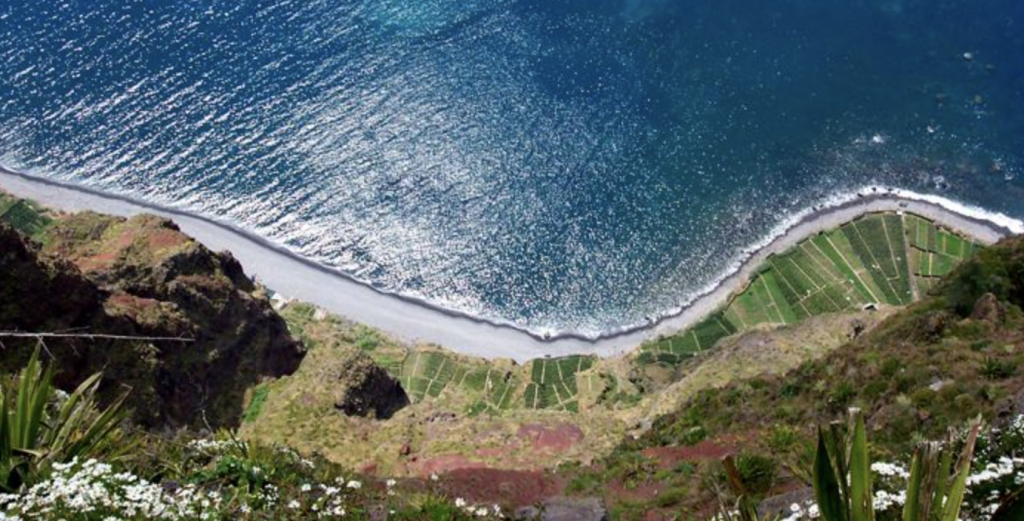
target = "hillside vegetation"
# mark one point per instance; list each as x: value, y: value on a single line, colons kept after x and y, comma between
x: 917, y: 326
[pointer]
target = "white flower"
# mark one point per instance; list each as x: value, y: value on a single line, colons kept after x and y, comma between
x: 354, y: 485
x: 390, y: 483
x: 434, y: 477
x: 889, y: 470
x: 481, y: 512
x: 306, y: 487
x: 993, y: 471
x: 459, y: 502
x: 293, y: 504
x: 885, y: 500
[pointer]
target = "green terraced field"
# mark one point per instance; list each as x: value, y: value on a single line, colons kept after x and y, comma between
x: 497, y: 390
x: 877, y: 259
x: 23, y: 215
x: 553, y: 382
x: 428, y: 373
x: 934, y: 252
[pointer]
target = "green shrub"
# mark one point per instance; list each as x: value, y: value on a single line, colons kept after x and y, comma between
x: 995, y: 369
x: 584, y: 483
x: 367, y: 339
x: 923, y: 398
x: 781, y: 438
x: 670, y: 498
x: 984, y: 274
x: 259, y: 398
x: 693, y: 435
x: 790, y: 389
x: 891, y: 368
x: 757, y: 472
x: 841, y: 395
x: 875, y: 389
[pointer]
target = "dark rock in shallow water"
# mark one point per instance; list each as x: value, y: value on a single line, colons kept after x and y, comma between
x: 368, y: 390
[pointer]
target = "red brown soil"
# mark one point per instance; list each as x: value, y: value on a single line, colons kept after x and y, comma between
x: 558, y: 438
x: 671, y: 456
x: 162, y: 239
x: 504, y: 487
x: 445, y: 463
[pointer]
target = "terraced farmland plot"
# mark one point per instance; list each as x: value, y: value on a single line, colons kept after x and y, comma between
x: 879, y: 242
x: 674, y: 349
x: 934, y: 250
x: 877, y: 259
x: 553, y: 383
x: 23, y: 216
x: 428, y: 373
x: 496, y: 388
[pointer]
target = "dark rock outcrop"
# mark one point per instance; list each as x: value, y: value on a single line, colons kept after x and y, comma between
x: 366, y: 389
x: 988, y: 309
x: 779, y: 506
x: 143, y: 277
x: 566, y: 509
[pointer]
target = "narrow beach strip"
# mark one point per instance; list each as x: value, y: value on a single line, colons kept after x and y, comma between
x: 417, y: 321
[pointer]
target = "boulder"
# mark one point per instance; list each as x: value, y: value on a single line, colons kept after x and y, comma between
x: 781, y: 505
x: 366, y: 389
x: 566, y: 509
x: 988, y: 309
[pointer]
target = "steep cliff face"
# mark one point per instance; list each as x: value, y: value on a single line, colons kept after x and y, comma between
x: 143, y: 277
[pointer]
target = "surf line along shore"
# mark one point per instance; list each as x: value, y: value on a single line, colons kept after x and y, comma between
x: 417, y: 321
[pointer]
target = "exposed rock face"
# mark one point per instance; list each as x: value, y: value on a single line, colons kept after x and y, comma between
x: 566, y: 509
x: 368, y: 390
x: 69, y: 299
x: 779, y: 506
x: 142, y: 276
x: 988, y: 309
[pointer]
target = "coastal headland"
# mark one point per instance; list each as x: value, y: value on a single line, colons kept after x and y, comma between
x: 417, y: 321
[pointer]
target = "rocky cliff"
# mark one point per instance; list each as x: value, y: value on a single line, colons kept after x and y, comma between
x: 103, y: 275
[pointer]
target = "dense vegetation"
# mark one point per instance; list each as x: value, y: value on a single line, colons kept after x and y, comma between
x: 957, y: 354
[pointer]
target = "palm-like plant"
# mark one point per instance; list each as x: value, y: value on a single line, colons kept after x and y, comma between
x: 36, y: 431
x: 842, y: 477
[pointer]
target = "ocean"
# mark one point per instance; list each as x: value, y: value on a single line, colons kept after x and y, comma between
x: 562, y: 165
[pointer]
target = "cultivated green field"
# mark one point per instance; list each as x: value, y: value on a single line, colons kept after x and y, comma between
x: 879, y: 259
x: 23, y: 215
x: 882, y: 258
x: 553, y: 383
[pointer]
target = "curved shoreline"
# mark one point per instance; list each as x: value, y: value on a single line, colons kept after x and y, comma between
x: 416, y: 320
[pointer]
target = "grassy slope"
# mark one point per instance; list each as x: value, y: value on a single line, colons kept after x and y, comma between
x: 922, y: 371
x: 470, y: 409
x: 445, y: 421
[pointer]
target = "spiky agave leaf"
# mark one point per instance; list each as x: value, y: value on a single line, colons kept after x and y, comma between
x: 33, y: 437
x: 861, y: 498
x: 826, y: 485
x: 955, y: 497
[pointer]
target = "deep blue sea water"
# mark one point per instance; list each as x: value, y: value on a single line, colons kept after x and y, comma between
x: 560, y: 164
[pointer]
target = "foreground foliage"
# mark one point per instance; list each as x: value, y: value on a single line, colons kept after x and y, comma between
x: 40, y: 427
x: 224, y: 478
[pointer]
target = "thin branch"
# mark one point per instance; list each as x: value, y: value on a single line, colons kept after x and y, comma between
x: 43, y: 345
x: 93, y: 336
